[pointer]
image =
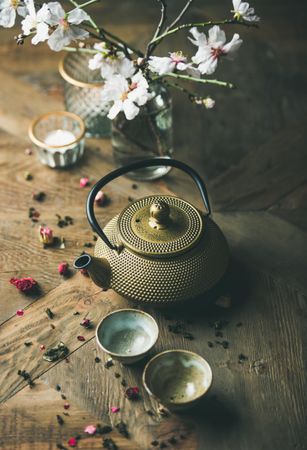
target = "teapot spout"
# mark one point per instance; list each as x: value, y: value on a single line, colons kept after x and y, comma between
x: 99, y: 269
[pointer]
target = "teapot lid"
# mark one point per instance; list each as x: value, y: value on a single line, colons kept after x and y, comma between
x: 160, y: 225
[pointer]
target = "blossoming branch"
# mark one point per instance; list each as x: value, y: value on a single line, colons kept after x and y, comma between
x: 129, y: 72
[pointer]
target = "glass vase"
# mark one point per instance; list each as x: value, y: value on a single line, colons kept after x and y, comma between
x: 82, y: 93
x: 148, y: 135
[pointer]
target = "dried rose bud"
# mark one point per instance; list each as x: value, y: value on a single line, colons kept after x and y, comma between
x: 20, y: 312
x: 63, y: 268
x: 115, y: 409
x: 23, y: 284
x: 100, y: 198
x: 86, y: 323
x: 28, y: 151
x: 66, y: 405
x: 84, y: 272
x: 42, y: 347
x: 84, y: 182
x: 46, y: 235
x: 72, y: 442
x: 81, y: 338
x: 132, y: 393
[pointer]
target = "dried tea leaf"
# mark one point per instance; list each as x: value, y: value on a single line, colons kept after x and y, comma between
x: 55, y: 353
x: 109, y: 444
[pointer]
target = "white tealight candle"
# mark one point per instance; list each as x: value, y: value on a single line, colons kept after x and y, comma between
x: 59, y: 138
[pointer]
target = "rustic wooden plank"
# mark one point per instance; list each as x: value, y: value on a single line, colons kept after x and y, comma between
x: 263, y: 178
x: 64, y: 197
x: 269, y: 243
x: 29, y: 421
x: 257, y: 406
x: 74, y: 294
x: 259, y: 394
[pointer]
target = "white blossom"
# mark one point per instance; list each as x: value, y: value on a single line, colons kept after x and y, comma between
x: 211, y: 49
x: 66, y: 26
x: 207, y: 102
x: 126, y: 96
x: 168, y: 64
x: 111, y: 62
x: 36, y: 21
x: 242, y: 10
x: 8, y: 12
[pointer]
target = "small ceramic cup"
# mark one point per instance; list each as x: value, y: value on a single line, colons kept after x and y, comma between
x: 127, y: 335
x: 177, y: 378
x: 58, y: 138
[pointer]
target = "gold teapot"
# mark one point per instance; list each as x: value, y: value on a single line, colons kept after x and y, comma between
x: 160, y: 249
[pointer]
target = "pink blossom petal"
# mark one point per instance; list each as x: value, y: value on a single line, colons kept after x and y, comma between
x: 84, y: 182
x: 20, y: 312
x: 115, y: 409
x: 90, y: 429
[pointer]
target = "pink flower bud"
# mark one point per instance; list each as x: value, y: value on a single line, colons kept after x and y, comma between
x: 63, y: 268
x: 46, y: 235
x: 115, y: 409
x: 100, y: 198
x: 86, y: 323
x: 72, y: 442
x: 84, y: 182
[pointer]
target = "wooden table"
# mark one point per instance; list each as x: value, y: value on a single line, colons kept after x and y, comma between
x: 258, y: 198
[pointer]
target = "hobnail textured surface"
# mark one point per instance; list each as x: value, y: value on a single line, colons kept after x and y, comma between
x: 86, y: 101
x: 171, y: 280
x: 182, y: 232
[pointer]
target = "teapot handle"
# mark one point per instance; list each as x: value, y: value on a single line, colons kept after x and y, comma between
x: 135, y: 166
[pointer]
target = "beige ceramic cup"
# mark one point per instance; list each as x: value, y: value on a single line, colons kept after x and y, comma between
x: 127, y: 335
x: 177, y: 378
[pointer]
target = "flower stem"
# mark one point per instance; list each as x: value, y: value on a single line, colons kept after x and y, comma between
x: 84, y: 5
x: 161, y: 23
x: 181, y: 14
x: 180, y: 88
x: 120, y: 41
x: 202, y: 24
x: 197, y: 80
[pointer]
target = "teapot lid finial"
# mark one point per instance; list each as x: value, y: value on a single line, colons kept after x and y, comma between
x: 160, y: 226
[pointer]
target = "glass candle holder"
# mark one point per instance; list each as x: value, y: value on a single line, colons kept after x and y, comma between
x: 82, y: 93
x: 58, y: 138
